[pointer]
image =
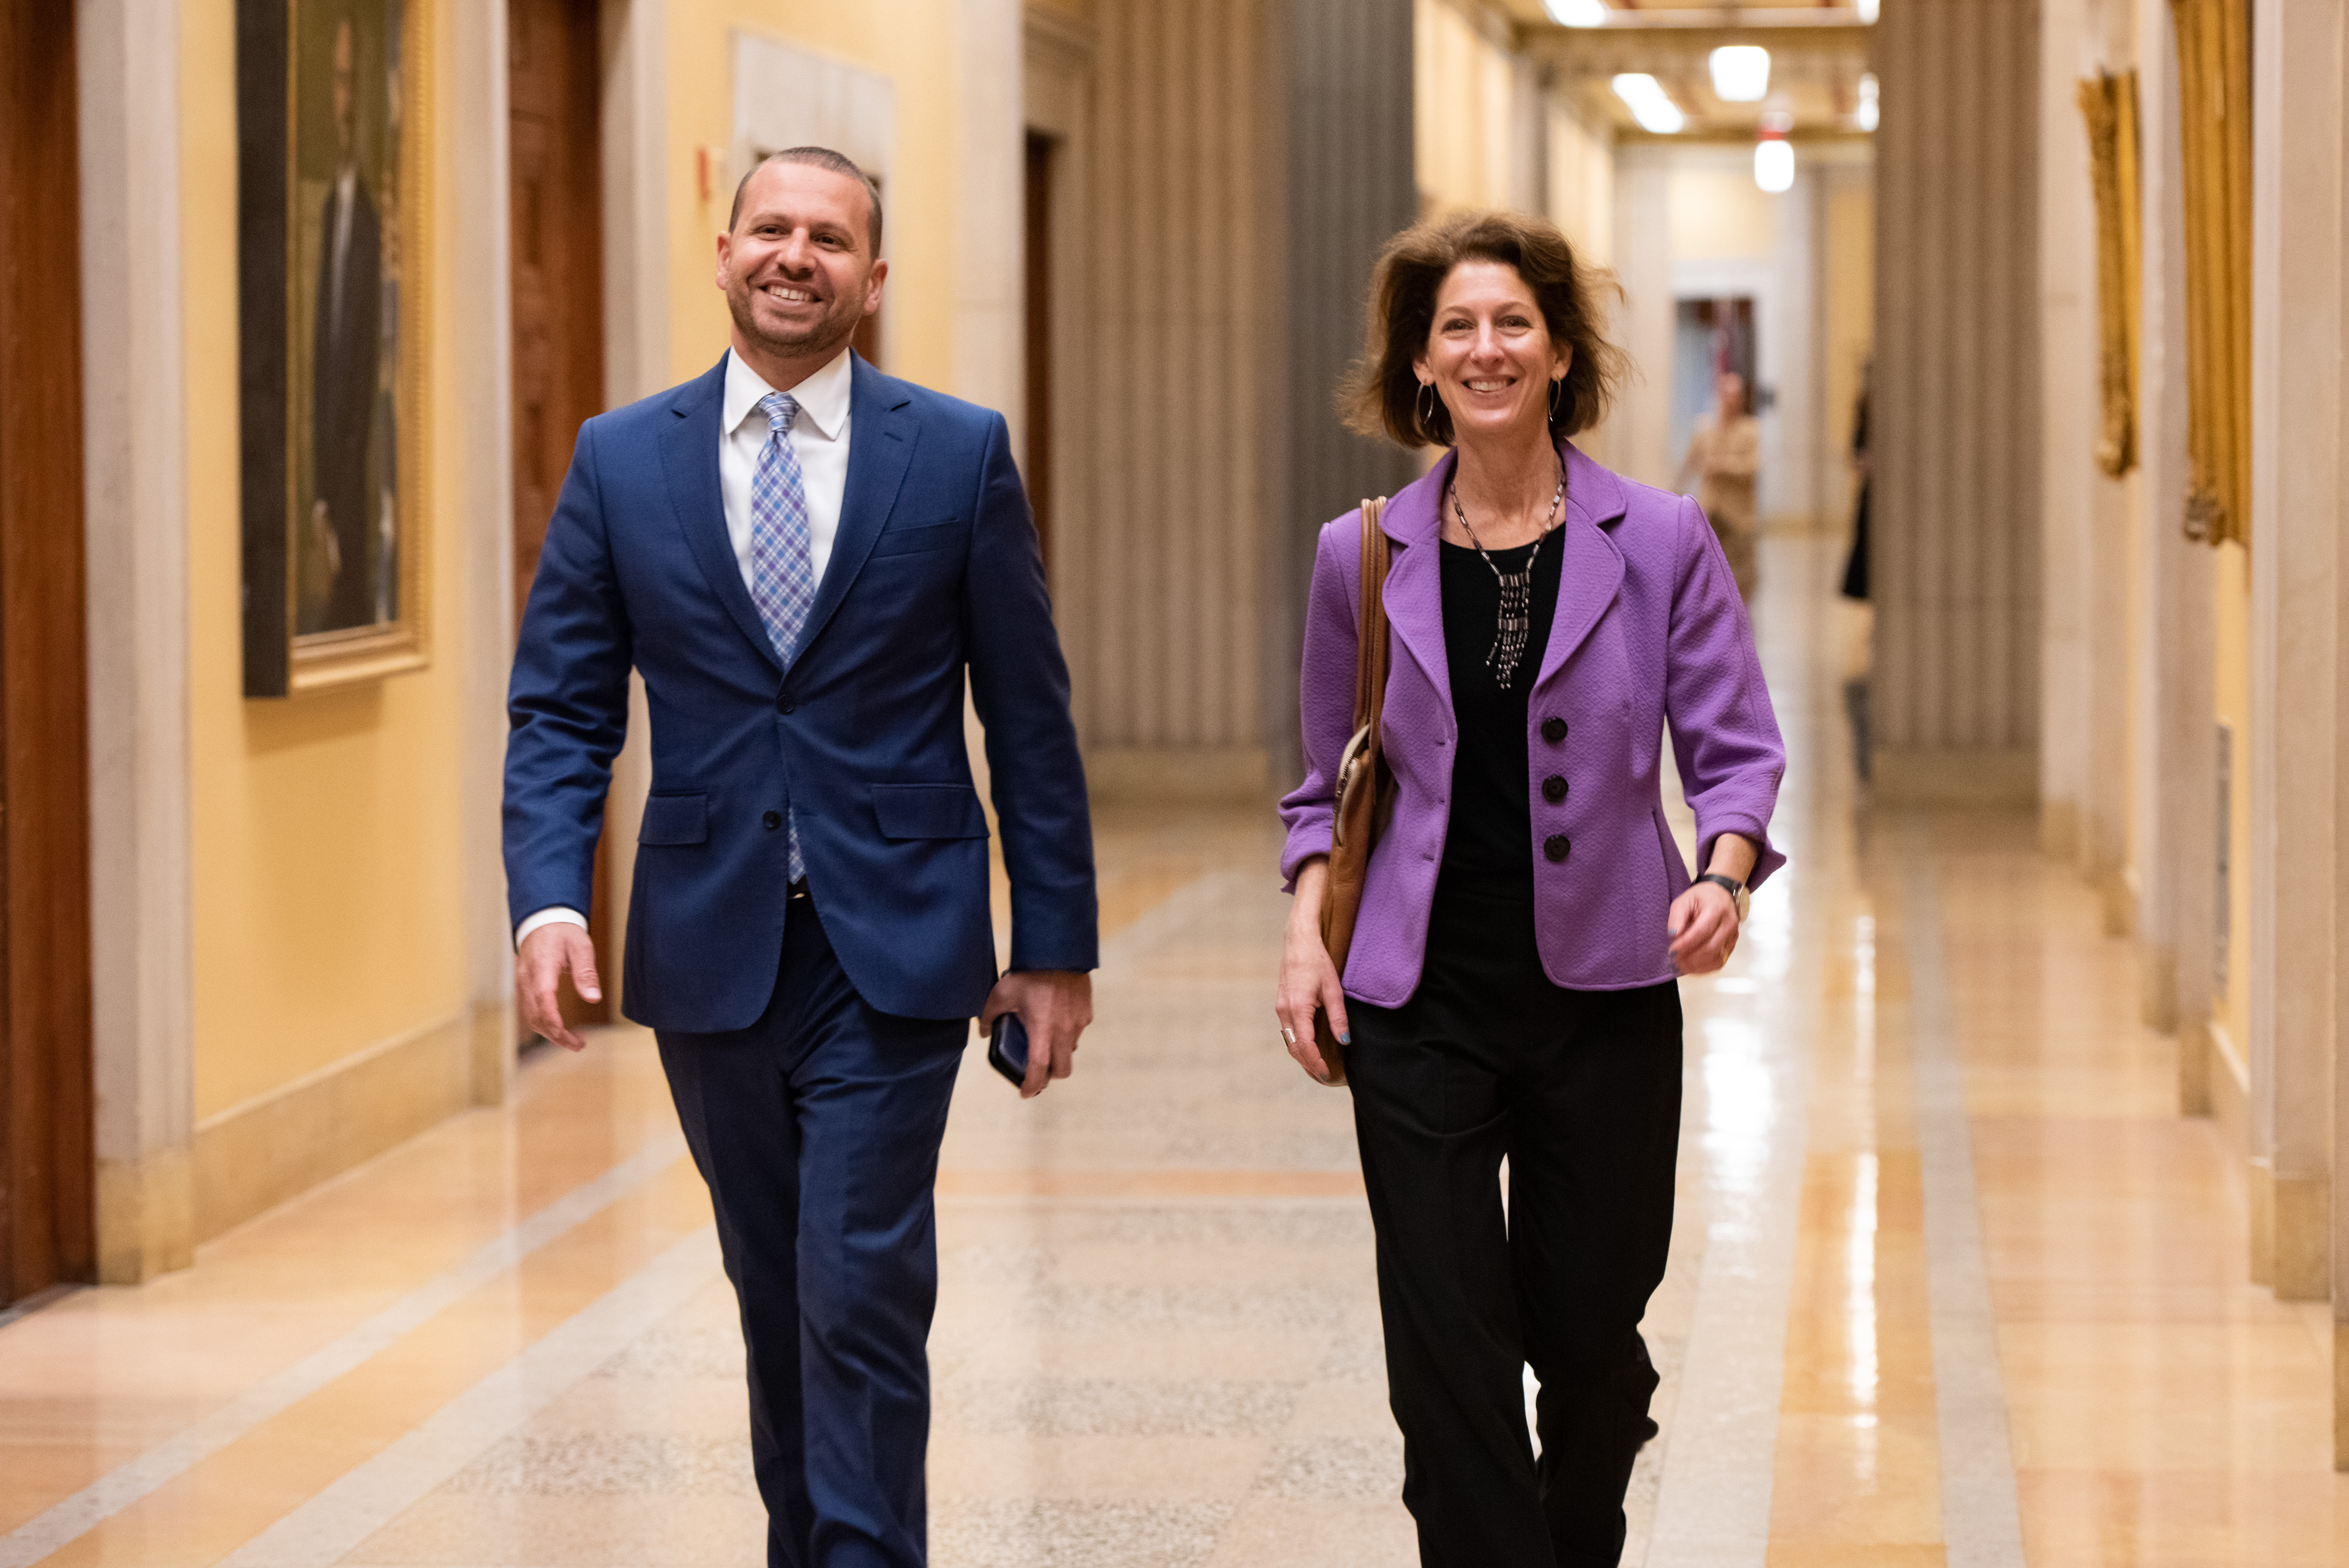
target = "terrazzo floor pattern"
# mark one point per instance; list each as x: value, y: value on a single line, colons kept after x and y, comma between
x: 507, y: 1343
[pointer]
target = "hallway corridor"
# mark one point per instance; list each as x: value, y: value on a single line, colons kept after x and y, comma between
x: 1952, y: 1282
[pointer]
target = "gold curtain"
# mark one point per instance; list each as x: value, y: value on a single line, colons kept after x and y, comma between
x: 2108, y: 103
x: 2214, y: 81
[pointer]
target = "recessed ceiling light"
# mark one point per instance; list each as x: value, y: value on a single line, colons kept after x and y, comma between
x: 1578, y: 13
x: 1650, y: 104
x: 1865, y: 116
x: 1740, y: 73
x: 1774, y: 164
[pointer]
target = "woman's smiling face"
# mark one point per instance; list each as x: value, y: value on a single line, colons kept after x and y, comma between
x: 1489, y: 352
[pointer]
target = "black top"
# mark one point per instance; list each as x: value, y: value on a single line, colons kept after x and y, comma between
x: 1489, y: 848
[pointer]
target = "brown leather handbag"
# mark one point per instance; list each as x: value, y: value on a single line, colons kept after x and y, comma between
x: 1365, y: 787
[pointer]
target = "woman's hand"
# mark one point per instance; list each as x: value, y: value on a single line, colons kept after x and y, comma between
x: 1703, y: 928
x: 1309, y: 980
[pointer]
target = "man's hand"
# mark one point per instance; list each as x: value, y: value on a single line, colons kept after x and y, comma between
x: 1054, y: 1005
x: 546, y: 955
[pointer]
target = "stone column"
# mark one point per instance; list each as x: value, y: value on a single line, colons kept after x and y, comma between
x: 1955, y: 692
x: 2175, y: 654
x: 1351, y: 185
x: 136, y: 488
x: 2296, y: 410
x: 480, y: 302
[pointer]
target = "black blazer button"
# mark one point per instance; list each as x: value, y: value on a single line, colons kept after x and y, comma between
x: 785, y: 705
x: 1553, y: 730
x: 1556, y: 845
x: 1554, y: 788
x: 774, y: 819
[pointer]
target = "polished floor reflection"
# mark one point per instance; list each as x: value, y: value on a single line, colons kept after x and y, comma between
x: 1951, y: 1281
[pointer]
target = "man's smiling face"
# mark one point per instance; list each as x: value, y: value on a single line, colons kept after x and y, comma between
x: 798, y: 268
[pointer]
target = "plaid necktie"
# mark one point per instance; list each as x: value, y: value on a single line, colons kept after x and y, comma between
x: 782, y: 552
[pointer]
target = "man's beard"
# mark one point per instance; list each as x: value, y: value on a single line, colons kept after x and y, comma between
x: 831, y: 333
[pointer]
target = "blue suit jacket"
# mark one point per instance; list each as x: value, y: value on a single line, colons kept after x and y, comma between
x: 934, y: 571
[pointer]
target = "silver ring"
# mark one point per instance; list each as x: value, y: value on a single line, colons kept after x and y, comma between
x: 1287, y: 1036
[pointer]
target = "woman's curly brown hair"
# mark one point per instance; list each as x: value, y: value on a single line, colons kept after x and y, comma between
x: 1381, y: 395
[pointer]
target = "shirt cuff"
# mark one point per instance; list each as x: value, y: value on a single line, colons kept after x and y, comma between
x: 553, y: 915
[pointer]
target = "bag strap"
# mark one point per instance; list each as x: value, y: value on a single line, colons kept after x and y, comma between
x: 1370, y: 646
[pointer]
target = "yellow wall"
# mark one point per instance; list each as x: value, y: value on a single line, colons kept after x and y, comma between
x: 912, y: 41
x: 1849, y: 326
x: 325, y: 833
x: 1720, y: 213
x: 1581, y: 184
x: 1462, y: 88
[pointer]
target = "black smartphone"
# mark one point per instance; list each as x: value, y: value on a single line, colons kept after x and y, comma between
x: 1007, y: 1050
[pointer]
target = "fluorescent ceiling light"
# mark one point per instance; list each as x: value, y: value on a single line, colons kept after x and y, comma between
x: 1868, y: 10
x: 1650, y: 104
x: 1740, y: 73
x: 1578, y: 13
x: 1773, y: 165
x: 1865, y: 116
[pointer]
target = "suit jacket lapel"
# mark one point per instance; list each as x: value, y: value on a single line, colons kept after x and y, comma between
x: 881, y: 437
x: 689, y: 449
x: 1592, y: 568
x: 1414, y: 590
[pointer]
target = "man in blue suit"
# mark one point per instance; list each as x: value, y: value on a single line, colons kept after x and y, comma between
x: 805, y: 558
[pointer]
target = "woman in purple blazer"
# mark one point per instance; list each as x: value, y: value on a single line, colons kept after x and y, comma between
x: 1510, y: 992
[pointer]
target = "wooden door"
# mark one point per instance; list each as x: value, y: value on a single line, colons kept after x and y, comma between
x: 48, y: 1234
x: 1038, y: 238
x: 558, y: 305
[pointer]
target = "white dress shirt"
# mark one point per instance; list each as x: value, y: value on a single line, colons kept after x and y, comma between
x: 819, y: 437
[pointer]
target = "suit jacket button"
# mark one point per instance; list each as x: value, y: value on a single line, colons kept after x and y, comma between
x: 785, y: 705
x: 1554, y: 788
x: 774, y: 819
x: 1556, y: 846
x: 1553, y: 730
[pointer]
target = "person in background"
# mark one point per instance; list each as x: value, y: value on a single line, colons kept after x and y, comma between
x: 1510, y: 993
x: 1855, y: 567
x: 1724, y: 455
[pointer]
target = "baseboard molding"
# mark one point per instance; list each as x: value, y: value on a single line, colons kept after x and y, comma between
x: 2229, y: 1081
x: 255, y: 1155
x: 2059, y: 829
x: 2340, y: 1394
x: 1920, y: 777
x: 2300, y: 1210
x: 146, y: 1217
x: 1178, y: 775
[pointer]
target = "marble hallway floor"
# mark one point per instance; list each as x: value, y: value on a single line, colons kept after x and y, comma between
x: 1951, y: 1283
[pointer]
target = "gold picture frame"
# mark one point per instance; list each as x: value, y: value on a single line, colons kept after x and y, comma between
x: 2214, y: 81
x: 2109, y: 105
x: 335, y: 154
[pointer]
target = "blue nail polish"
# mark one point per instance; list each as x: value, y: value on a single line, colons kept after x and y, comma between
x: 1345, y: 1039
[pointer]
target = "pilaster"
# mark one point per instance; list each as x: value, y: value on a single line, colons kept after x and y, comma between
x: 2296, y: 413
x: 133, y: 364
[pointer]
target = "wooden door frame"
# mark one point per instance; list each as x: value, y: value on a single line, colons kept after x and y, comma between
x: 48, y: 1220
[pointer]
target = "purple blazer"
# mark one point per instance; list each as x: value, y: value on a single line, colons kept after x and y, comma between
x: 1650, y: 631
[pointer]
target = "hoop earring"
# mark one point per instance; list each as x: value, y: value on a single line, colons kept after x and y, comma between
x: 1425, y: 407
x: 1557, y: 385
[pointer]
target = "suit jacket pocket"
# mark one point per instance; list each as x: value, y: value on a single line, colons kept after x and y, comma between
x: 912, y: 541
x: 675, y: 819
x: 928, y: 811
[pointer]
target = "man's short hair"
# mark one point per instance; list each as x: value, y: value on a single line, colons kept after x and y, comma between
x: 817, y: 157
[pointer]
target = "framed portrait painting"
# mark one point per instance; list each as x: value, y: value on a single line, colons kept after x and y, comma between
x: 331, y: 335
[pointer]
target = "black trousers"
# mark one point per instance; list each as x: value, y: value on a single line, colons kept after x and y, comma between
x: 1581, y: 1092
x: 817, y: 1129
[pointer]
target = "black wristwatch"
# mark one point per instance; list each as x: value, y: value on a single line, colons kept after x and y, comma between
x: 1736, y: 891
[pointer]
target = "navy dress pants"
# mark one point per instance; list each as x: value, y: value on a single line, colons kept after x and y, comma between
x: 817, y: 1129
x: 1581, y: 1092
